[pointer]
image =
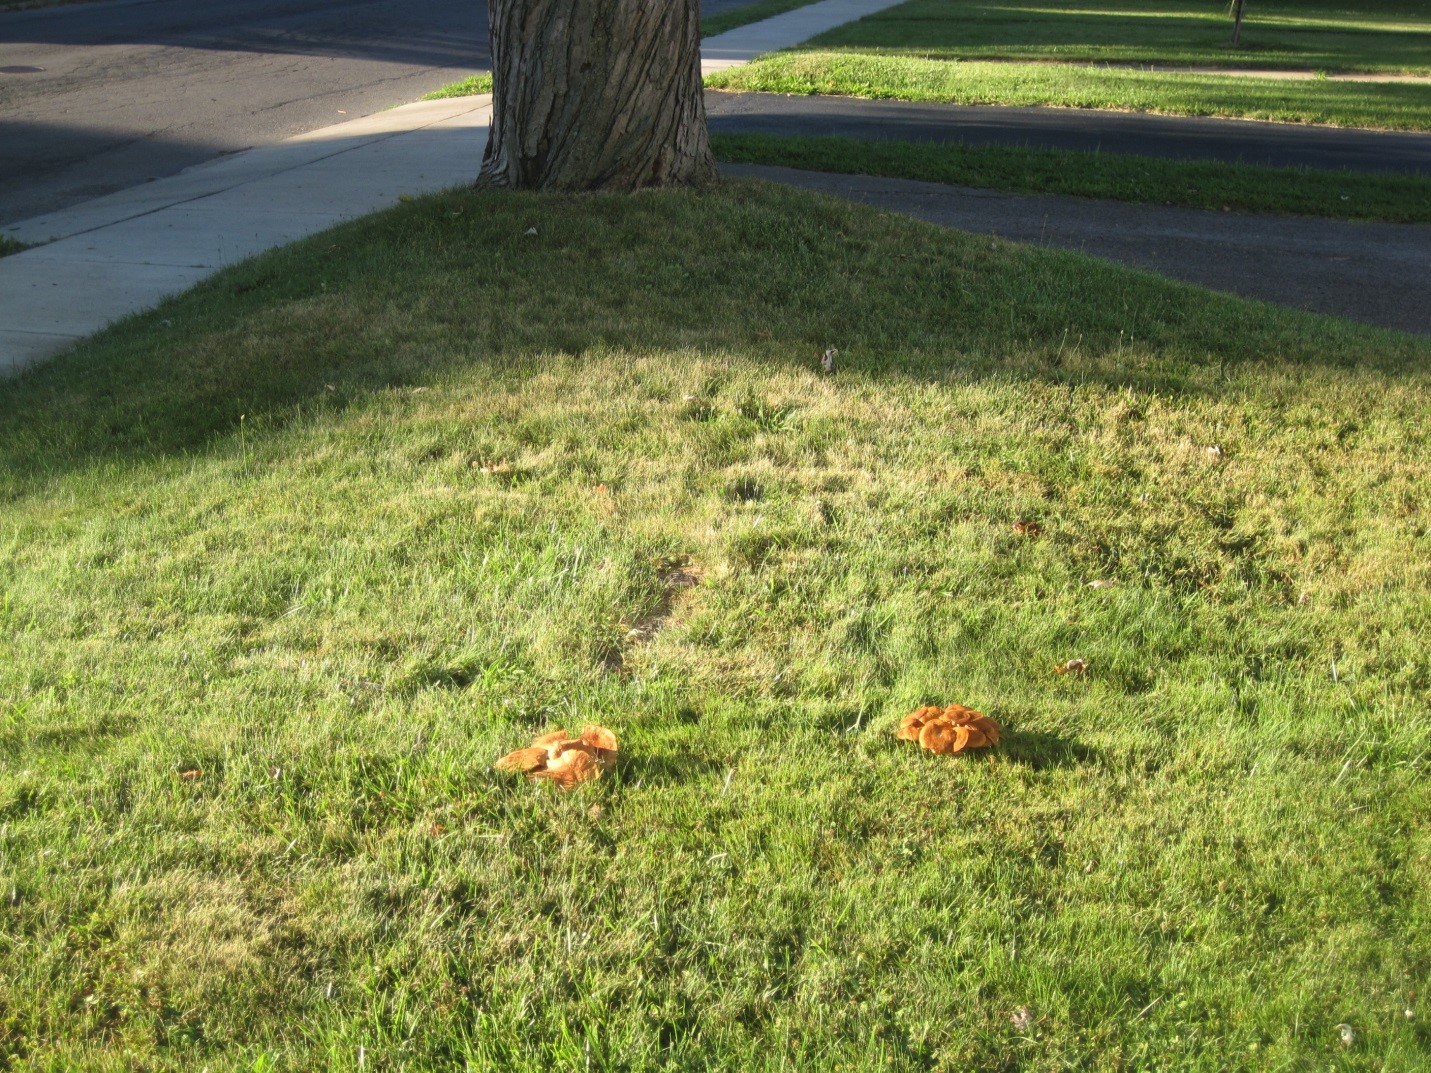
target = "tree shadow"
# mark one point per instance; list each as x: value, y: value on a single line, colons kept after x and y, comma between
x: 455, y: 283
x: 669, y: 769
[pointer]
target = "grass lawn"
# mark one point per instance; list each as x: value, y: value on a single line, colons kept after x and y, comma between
x: 747, y: 13
x: 1318, y: 35
x: 1047, y: 54
x: 288, y: 562
x: 1200, y: 184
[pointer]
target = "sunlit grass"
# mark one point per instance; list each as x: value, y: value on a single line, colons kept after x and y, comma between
x: 1077, y: 56
x: 1319, y: 36
x: 900, y: 77
x: 346, y: 523
x: 470, y: 86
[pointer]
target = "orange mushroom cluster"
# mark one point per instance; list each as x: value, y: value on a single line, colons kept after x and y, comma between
x: 949, y: 730
x: 562, y: 759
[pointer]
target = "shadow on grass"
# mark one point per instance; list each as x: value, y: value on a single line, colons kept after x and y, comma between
x: 668, y: 769
x: 457, y: 283
x: 1041, y: 752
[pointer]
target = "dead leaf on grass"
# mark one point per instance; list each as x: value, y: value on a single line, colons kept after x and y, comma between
x: 1078, y: 667
x: 1028, y: 527
x: 191, y: 774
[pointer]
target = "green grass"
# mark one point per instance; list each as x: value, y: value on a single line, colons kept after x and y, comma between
x: 748, y: 13
x: 470, y: 86
x: 861, y: 74
x: 1343, y: 195
x: 1023, y: 53
x: 250, y: 533
x: 1318, y: 35
x: 9, y: 245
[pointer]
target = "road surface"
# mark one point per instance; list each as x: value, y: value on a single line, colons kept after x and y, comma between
x: 99, y: 97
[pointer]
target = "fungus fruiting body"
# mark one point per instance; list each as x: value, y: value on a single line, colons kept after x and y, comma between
x: 949, y: 730
x: 558, y: 757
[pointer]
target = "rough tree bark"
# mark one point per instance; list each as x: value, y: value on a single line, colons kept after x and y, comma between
x: 596, y: 95
x: 1236, y: 23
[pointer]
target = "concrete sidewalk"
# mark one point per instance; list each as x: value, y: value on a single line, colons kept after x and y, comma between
x: 125, y: 253
x: 118, y: 255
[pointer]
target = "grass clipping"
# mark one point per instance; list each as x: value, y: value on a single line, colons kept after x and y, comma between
x: 562, y: 759
x: 949, y: 730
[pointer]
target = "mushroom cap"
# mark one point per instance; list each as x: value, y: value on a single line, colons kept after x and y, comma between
x: 950, y: 729
x: 533, y: 758
x: 575, y: 765
x: 599, y: 737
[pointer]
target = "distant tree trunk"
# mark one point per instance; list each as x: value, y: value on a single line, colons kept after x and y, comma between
x: 1236, y: 23
x: 596, y: 95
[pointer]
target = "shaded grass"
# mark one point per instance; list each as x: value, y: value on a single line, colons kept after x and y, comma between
x: 9, y: 245
x: 1319, y: 35
x: 250, y: 534
x: 748, y: 13
x: 913, y: 78
x: 1342, y: 195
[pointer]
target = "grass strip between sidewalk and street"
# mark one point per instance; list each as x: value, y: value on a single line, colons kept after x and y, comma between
x: 287, y: 562
x: 471, y: 86
x: 1389, y: 106
x: 1343, y: 195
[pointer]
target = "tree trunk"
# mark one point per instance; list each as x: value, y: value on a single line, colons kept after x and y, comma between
x: 596, y: 95
x: 1236, y: 23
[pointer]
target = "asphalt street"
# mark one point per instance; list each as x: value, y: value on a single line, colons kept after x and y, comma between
x: 99, y: 97
x: 1374, y: 273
